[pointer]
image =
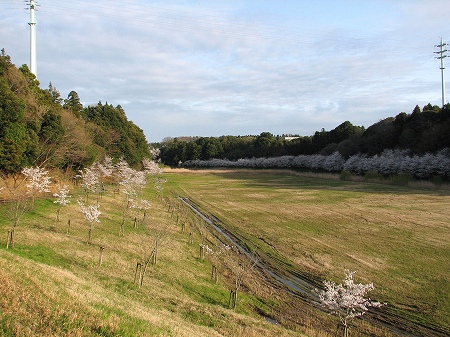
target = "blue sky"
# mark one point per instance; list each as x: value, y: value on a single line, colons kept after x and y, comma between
x: 237, y: 67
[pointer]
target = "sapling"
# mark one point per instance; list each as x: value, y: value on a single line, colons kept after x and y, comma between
x: 89, y: 180
x: 141, y: 205
x: 37, y: 181
x: 240, y: 265
x: 91, y: 214
x: 346, y: 300
x: 62, y: 199
x: 104, y: 170
x: 215, y: 255
x: 132, y: 182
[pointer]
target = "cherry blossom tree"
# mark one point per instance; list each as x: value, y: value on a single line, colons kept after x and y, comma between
x: 38, y: 181
x: 346, y: 300
x: 89, y: 180
x: 62, y: 199
x: 131, y: 182
x: 151, y: 167
x: 141, y: 205
x: 104, y: 170
x: 91, y: 214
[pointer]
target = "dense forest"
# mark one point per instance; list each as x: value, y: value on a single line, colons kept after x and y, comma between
x: 39, y: 127
x: 408, y: 138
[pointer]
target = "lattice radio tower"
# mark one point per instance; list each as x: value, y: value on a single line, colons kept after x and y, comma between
x: 32, y: 23
x: 441, y: 57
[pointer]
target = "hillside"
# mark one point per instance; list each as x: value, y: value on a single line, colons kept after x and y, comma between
x: 39, y: 127
x: 54, y: 283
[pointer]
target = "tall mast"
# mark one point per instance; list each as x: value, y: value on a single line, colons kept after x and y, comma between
x: 32, y: 23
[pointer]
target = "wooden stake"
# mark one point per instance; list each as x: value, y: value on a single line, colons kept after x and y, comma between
x: 101, y: 255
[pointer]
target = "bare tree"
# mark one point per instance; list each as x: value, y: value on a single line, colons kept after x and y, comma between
x: 149, y: 249
x: 240, y: 265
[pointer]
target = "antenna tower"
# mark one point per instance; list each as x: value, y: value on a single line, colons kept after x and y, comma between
x: 32, y: 23
x: 441, y: 57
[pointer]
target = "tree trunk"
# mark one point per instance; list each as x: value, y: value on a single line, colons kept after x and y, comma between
x: 90, y: 236
x: 11, y: 235
x: 68, y: 227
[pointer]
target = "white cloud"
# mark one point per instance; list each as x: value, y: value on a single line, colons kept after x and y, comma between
x: 205, y: 68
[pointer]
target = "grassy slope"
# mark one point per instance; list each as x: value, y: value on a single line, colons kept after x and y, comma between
x: 396, y: 237
x: 51, y: 283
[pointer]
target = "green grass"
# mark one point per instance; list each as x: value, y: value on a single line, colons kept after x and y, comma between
x: 51, y: 283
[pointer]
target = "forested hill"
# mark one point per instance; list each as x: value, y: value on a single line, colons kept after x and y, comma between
x: 38, y: 126
x: 425, y: 130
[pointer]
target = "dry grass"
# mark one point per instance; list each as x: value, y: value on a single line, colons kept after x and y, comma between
x: 51, y: 283
x: 397, y: 237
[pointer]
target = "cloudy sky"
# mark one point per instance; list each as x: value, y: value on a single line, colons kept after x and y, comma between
x: 237, y: 67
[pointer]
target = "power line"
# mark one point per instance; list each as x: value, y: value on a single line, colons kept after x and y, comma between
x: 441, y: 57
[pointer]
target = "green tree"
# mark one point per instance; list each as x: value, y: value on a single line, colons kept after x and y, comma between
x: 73, y: 103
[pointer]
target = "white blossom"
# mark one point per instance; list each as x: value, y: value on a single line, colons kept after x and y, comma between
x: 346, y: 300
x: 151, y: 167
x: 207, y: 249
x: 91, y: 212
x: 38, y: 179
x: 140, y: 204
x: 132, y: 181
x: 62, y: 196
x: 89, y: 178
x: 154, y: 153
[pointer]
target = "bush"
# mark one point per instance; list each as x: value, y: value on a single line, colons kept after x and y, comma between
x: 402, y: 179
x: 346, y: 175
x: 373, y: 175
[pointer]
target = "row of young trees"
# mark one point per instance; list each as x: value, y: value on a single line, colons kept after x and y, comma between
x: 21, y: 189
x: 389, y: 162
x: 423, y: 131
x: 346, y: 301
x: 40, y: 128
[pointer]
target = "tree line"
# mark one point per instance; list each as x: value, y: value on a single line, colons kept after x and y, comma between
x: 40, y: 128
x: 424, y: 130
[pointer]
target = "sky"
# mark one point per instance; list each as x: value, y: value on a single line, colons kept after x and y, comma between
x: 237, y: 67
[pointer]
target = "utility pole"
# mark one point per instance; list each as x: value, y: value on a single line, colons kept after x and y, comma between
x: 441, y: 57
x: 32, y: 23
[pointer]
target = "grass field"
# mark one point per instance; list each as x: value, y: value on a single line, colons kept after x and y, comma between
x: 52, y: 283
x: 396, y: 237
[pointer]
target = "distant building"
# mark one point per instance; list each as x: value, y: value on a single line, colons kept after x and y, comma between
x: 290, y: 138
